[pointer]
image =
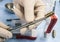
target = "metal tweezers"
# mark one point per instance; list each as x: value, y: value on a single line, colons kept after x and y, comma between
x: 33, y: 22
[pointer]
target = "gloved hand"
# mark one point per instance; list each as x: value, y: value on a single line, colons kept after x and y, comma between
x: 28, y: 11
x: 4, y: 33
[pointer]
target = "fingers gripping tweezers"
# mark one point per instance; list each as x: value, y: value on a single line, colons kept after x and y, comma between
x: 33, y: 22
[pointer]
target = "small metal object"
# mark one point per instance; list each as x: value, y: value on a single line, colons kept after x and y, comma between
x: 9, y: 20
x: 12, y: 19
x: 53, y: 33
x: 45, y: 34
x: 49, y: 14
x: 17, y: 24
x: 9, y: 7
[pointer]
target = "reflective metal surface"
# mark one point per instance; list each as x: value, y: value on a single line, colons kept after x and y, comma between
x: 9, y: 7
